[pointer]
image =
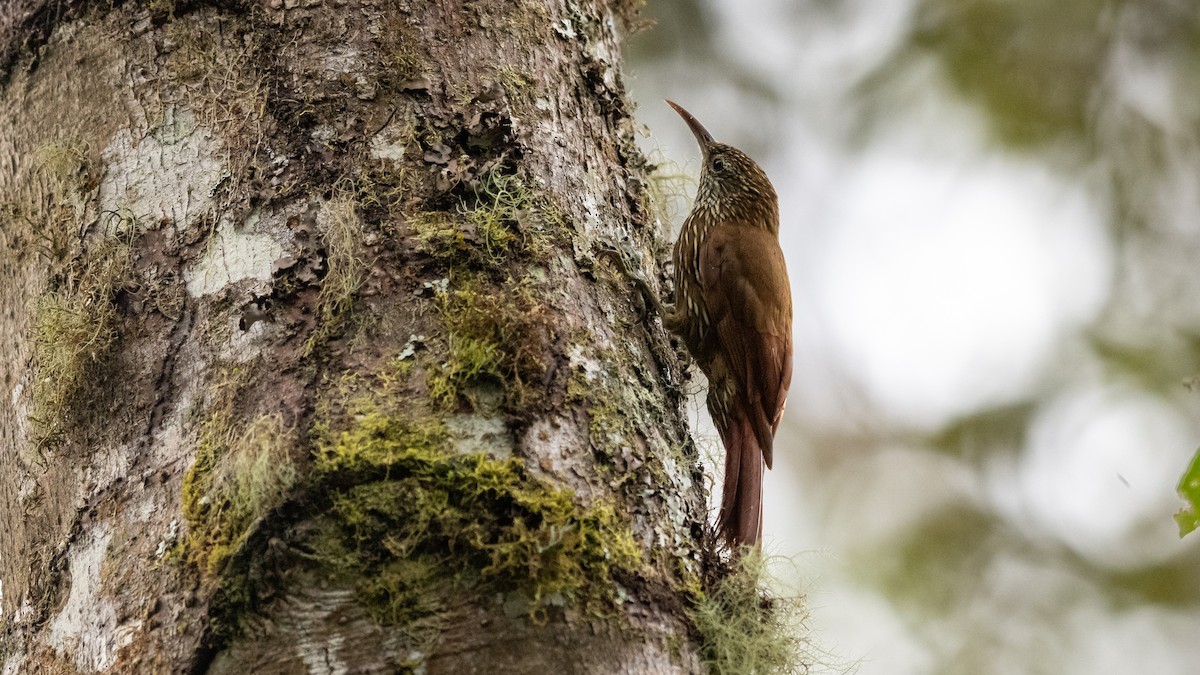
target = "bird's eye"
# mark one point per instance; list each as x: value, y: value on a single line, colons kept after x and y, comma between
x: 718, y: 165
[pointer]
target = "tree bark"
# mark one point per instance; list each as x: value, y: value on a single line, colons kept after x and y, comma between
x: 310, y: 361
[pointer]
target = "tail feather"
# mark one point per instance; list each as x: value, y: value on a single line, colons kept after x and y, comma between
x: 741, y: 503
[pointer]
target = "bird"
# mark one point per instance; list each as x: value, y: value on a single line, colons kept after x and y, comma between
x: 733, y: 313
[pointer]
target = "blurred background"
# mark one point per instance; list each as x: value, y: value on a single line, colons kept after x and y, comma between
x: 991, y: 216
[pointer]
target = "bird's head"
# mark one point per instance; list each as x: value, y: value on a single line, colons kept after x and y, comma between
x: 732, y: 186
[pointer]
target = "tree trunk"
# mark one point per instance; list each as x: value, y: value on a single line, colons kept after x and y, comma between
x: 310, y: 361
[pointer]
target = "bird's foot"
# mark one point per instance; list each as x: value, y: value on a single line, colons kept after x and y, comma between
x: 618, y: 256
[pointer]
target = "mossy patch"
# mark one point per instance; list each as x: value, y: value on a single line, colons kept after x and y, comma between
x: 607, y: 424
x: 404, y: 56
x: 500, y: 335
x: 450, y: 237
x: 393, y: 509
x: 75, y: 323
x: 411, y: 519
x: 502, y: 220
x: 743, y: 631
x: 402, y: 50
x: 67, y: 167
x: 517, y: 83
x: 241, y: 471
x: 161, y: 10
x: 75, y: 332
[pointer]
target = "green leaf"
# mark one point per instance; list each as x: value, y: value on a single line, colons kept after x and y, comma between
x: 1189, y: 489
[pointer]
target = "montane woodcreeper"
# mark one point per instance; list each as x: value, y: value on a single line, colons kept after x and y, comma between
x: 733, y: 311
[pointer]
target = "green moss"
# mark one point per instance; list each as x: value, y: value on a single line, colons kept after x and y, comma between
x: 517, y: 83
x: 405, y: 62
x: 75, y: 330
x: 607, y: 425
x: 743, y: 632
x: 242, y: 471
x: 504, y: 218
x: 413, y: 521
x: 386, y: 186
x: 352, y: 395
x: 377, y: 442
x: 239, y: 474
x: 450, y: 238
x: 496, y: 335
x: 469, y: 361
x: 401, y: 47
x: 161, y: 9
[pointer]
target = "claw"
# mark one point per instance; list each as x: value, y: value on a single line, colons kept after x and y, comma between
x: 650, y: 299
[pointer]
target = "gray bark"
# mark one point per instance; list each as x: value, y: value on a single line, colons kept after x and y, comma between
x: 231, y: 235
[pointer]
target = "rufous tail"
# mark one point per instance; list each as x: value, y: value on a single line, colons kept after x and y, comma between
x: 740, y: 521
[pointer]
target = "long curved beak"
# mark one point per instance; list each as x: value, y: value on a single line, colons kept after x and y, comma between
x: 702, y: 136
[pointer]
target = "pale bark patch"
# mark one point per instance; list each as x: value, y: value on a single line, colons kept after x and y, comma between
x: 15, y: 665
x: 86, y: 627
x: 235, y: 253
x: 169, y: 174
x: 391, y: 142
x: 481, y: 434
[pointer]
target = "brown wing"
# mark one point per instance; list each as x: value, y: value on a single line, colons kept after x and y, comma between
x: 745, y: 287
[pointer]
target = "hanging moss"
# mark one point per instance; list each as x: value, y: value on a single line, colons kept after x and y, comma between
x: 75, y: 332
x: 240, y: 473
x: 346, y: 269
x: 742, y: 630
